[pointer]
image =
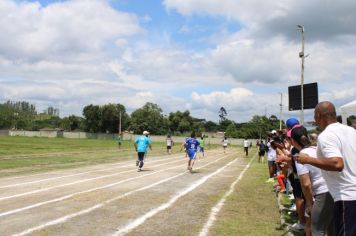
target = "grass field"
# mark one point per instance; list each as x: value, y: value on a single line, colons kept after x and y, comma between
x: 21, y: 155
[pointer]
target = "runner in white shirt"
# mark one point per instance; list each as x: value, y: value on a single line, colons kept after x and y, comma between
x: 225, y: 142
x: 246, y: 145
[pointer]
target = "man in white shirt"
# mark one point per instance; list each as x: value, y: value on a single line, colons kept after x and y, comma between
x: 336, y: 151
x: 246, y: 145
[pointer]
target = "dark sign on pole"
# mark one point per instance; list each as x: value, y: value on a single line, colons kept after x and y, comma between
x: 310, y: 92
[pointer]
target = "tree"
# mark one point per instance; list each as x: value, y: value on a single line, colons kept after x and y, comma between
x: 111, y: 118
x: 149, y: 118
x: 211, y: 126
x: 222, y: 114
x: 71, y: 123
x: 92, y: 118
x: 231, y: 131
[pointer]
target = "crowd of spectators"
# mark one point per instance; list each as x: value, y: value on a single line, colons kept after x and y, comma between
x: 317, y: 170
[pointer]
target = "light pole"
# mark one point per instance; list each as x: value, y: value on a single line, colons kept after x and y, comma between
x: 301, y: 55
x: 280, y: 112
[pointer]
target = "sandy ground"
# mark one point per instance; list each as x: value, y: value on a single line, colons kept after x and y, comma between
x: 115, y: 199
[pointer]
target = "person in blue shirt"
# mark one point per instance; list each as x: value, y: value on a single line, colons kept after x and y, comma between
x: 191, y: 148
x: 141, y: 145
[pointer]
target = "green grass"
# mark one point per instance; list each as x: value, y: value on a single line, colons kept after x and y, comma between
x: 252, y: 208
x: 21, y: 155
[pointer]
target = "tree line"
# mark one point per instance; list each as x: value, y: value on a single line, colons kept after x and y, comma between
x: 106, y: 119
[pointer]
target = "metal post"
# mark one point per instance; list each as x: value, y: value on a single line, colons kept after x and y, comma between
x: 280, y: 112
x: 120, y: 124
x: 301, y: 55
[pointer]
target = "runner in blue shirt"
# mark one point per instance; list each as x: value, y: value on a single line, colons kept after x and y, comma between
x: 192, y: 148
x: 141, y: 145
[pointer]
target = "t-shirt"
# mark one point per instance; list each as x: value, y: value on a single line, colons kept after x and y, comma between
x: 225, y: 142
x: 202, y: 143
x: 262, y: 147
x: 318, y: 183
x: 271, y: 154
x: 169, y: 142
x: 338, y: 140
x: 192, y: 145
x: 246, y: 143
x: 142, y: 143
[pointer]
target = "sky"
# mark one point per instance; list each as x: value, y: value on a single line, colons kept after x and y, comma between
x: 196, y: 55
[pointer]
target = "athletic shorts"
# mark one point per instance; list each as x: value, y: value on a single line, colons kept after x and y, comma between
x: 261, y: 153
x: 192, y: 155
x: 169, y: 147
x: 201, y: 149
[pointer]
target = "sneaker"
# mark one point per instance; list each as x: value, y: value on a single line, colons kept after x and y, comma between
x: 270, y: 180
x: 137, y: 162
x: 291, y: 196
x: 297, y: 227
x: 293, y: 208
x: 139, y: 169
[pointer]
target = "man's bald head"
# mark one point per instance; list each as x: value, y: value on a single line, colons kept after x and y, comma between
x: 326, y: 109
x: 325, y: 114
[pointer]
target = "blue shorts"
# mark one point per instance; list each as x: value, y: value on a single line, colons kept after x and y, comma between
x: 192, y: 155
x: 201, y: 149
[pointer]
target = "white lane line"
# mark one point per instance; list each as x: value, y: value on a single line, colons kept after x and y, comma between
x: 107, y: 164
x: 137, y: 222
x: 6, y: 213
x: 71, y: 175
x: 117, y: 165
x: 63, y: 219
x: 216, y: 209
x: 72, y: 183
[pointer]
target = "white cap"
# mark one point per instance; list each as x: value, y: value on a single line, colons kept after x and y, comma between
x: 145, y: 132
x: 273, y: 132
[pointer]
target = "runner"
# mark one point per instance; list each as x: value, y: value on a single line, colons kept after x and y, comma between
x: 170, y: 143
x: 191, y: 147
x: 202, y: 145
x: 261, y: 151
x: 141, y: 145
x: 225, y: 142
x: 246, y: 146
x: 119, y: 141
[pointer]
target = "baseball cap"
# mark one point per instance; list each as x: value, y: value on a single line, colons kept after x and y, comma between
x: 145, y: 132
x: 291, y: 122
x: 273, y: 132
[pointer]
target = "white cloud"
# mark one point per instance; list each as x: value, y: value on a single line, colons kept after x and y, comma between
x: 63, y: 29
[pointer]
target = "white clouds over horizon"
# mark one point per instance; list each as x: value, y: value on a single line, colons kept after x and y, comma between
x: 69, y: 54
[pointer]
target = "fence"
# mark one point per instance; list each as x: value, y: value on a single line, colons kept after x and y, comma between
x: 126, y: 136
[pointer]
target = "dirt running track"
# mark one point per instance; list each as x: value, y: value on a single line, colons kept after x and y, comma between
x: 115, y: 199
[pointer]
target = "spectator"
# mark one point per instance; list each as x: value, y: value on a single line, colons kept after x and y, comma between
x: 313, y: 186
x: 336, y: 157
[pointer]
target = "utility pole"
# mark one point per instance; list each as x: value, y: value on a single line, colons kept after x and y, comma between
x: 280, y: 112
x: 301, y: 55
x: 120, y: 124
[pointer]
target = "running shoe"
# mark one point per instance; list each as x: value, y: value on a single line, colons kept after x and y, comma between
x: 137, y: 162
x: 139, y: 169
x: 297, y: 227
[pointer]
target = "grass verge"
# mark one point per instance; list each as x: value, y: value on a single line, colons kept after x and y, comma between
x: 252, y: 208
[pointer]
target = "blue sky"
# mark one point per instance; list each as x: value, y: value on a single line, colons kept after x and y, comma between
x: 181, y: 54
